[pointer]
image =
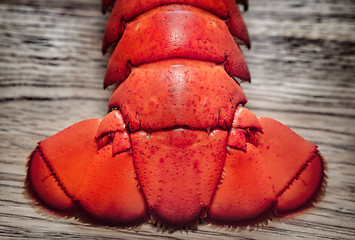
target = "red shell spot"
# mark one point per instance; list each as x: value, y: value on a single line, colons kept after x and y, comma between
x: 195, y: 164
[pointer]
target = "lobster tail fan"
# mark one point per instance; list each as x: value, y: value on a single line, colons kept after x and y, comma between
x: 178, y: 146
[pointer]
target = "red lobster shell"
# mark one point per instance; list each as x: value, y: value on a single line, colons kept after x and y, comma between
x: 178, y: 145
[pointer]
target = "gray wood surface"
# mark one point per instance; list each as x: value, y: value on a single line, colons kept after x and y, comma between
x: 302, y: 64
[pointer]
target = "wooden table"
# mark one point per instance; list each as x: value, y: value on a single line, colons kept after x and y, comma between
x: 302, y: 64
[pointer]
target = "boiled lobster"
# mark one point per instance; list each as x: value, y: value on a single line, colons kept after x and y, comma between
x: 177, y: 145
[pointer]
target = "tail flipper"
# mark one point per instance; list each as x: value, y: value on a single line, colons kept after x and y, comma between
x: 295, y: 165
x: 76, y: 171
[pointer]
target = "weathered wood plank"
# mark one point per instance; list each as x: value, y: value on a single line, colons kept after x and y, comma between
x: 302, y: 63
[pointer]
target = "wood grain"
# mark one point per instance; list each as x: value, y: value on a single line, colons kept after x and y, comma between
x: 302, y: 63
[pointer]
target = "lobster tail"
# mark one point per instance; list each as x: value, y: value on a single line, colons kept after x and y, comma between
x: 178, y: 144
